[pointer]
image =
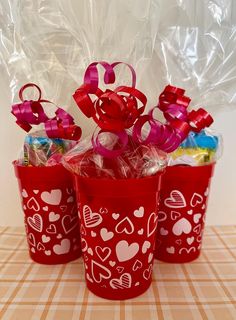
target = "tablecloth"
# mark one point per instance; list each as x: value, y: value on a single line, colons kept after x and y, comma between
x: 203, y: 289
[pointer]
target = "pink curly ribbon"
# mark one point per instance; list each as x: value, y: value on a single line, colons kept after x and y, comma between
x: 169, y: 136
x: 30, y: 113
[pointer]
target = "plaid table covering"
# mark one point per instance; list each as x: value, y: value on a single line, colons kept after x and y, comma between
x: 203, y: 289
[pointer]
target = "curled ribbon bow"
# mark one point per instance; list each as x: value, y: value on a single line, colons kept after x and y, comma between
x: 120, y: 109
x: 113, y: 111
x: 169, y: 136
x: 30, y: 112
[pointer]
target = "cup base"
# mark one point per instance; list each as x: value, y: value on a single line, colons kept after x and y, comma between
x: 112, y: 294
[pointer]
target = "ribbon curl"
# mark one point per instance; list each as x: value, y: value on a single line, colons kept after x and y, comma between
x: 169, y: 136
x: 30, y: 112
x: 121, y: 109
x: 113, y: 111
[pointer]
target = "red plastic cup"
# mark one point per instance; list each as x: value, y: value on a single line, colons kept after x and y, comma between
x: 181, y: 217
x: 118, y: 221
x: 50, y: 208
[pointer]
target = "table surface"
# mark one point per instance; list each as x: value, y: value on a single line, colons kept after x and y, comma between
x: 203, y: 289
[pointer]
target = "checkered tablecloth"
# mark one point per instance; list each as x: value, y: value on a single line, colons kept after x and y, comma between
x: 203, y: 289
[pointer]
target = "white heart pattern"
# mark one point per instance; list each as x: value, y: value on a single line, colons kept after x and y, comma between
x: 170, y: 250
x: 33, y: 204
x: 139, y: 213
x: 103, y: 253
x: 24, y: 193
x: 152, y: 224
x: 196, y: 199
x: 197, y: 217
x: 63, y: 247
x: 176, y: 200
x: 106, y: 235
x: 146, y: 246
x: 36, y: 222
x: 182, y: 226
x: 53, y: 217
x: 123, y: 282
x: 150, y: 257
x: 125, y: 225
x: 137, y: 265
x: 125, y: 252
x: 190, y: 240
x: 69, y: 223
x: 45, y: 239
x: 31, y: 239
x: 147, y: 273
x: 163, y: 231
x: 162, y: 216
x: 175, y: 215
x: 91, y: 219
x: 115, y: 216
x: 53, y: 197
x: 99, y: 272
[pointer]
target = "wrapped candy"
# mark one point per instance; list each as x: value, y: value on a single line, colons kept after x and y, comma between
x: 200, y: 148
x: 44, y: 147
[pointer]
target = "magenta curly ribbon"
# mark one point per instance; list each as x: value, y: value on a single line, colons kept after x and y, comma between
x: 31, y: 112
x: 169, y: 136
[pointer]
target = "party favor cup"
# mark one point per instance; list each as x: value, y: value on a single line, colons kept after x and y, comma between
x: 118, y: 221
x: 181, y: 217
x: 50, y: 208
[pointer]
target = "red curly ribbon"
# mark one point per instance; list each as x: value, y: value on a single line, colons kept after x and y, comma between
x: 120, y: 109
x: 31, y: 112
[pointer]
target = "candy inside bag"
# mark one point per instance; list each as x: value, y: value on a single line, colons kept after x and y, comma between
x: 136, y: 161
x: 198, y: 149
x: 40, y: 150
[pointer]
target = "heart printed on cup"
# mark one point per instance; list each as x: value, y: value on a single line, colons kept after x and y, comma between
x: 196, y: 199
x: 52, y: 197
x: 123, y: 282
x: 36, y: 222
x: 91, y: 219
x: 62, y: 248
x: 53, y: 217
x: 103, y: 253
x: 182, y: 226
x: 33, y: 204
x: 51, y: 229
x: 139, y: 213
x: 118, y: 250
x: 184, y: 202
x: 99, y: 272
x: 176, y: 200
x: 106, y: 235
x: 126, y: 251
x: 125, y: 226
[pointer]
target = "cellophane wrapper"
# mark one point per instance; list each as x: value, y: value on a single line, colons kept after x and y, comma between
x: 136, y: 161
x: 40, y: 150
x: 190, y: 44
